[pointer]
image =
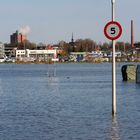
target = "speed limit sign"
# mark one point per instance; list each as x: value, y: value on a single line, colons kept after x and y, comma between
x: 113, y: 30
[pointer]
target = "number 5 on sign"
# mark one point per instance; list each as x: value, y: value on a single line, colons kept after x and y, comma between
x: 113, y: 30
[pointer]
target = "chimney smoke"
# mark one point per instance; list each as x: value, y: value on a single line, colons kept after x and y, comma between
x: 25, y: 30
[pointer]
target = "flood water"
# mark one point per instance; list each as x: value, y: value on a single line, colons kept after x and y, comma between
x: 73, y: 104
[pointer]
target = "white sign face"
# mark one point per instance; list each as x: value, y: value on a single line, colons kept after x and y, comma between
x: 113, y: 30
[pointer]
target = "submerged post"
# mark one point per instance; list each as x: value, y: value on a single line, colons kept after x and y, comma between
x: 113, y: 66
x: 113, y: 31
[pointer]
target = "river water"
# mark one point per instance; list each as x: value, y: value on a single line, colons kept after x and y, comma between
x: 72, y: 103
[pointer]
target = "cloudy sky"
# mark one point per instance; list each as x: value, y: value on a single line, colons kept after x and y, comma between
x: 51, y: 21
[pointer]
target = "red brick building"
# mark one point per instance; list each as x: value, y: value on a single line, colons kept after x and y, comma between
x: 17, y: 37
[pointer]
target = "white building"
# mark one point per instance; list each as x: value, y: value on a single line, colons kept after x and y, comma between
x: 95, y: 54
x: 2, y: 53
x: 117, y: 54
x: 37, y: 54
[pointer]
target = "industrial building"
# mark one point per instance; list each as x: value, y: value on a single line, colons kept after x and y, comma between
x: 17, y: 37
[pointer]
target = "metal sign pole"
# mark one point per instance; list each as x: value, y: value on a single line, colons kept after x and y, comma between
x: 113, y: 67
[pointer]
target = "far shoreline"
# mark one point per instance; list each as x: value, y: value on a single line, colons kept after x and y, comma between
x: 22, y: 62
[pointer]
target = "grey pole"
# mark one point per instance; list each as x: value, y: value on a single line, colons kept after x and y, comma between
x: 113, y: 67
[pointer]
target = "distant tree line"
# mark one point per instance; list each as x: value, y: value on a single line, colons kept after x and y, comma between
x: 88, y: 45
x: 80, y: 45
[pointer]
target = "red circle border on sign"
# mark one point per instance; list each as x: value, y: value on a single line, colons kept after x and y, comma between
x: 105, y: 29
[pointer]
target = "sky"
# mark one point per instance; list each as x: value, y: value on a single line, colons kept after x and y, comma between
x: 51, y: 21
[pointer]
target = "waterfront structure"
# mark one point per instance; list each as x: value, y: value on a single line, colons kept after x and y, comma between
x: 88, y: 56
x: 94, y: 54
x: 20, y: 53
x: 17, y: 38
x: 137, y: 46
x: 117, y: 54
x: 2, y: 54
x: 40, y: 55
x: 9, y: 51
x: 129, y: 72
x: 77, y: 56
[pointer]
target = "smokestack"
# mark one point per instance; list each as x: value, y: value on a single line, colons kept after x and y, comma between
x: 132, y: 35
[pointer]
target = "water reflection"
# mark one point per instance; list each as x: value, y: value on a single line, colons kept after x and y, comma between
x: 115, y: 129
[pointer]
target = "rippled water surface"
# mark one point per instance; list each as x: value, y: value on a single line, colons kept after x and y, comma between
x: 75, y: 104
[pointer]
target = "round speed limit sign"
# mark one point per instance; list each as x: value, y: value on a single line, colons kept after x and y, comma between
x: 113, y: 30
